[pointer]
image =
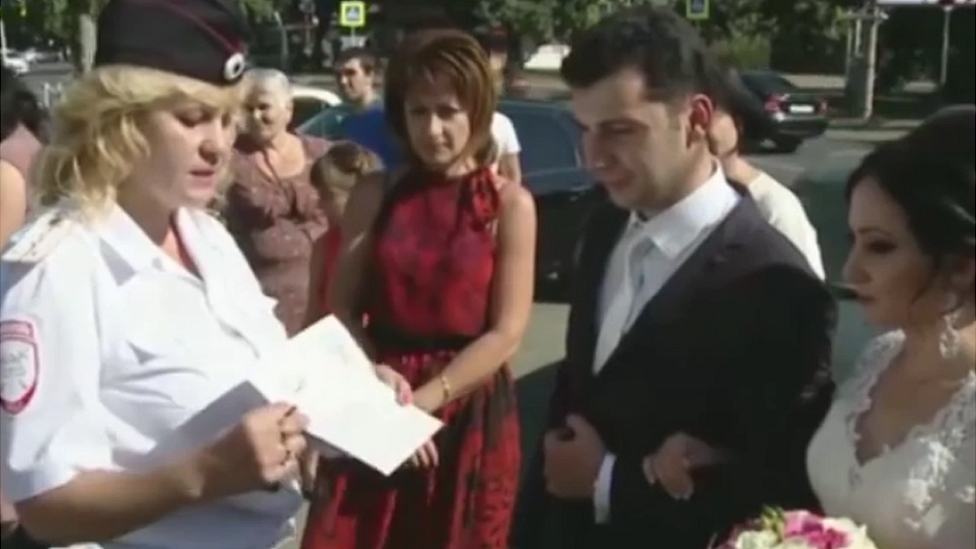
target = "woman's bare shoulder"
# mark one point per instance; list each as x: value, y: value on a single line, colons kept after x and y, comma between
x: 513, y: 197
x: 10, y: 176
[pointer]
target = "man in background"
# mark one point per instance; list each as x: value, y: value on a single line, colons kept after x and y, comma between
x: 779, y: 205
x: 355, y: 71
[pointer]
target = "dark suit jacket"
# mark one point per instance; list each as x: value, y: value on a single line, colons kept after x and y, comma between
x: 734, y: 350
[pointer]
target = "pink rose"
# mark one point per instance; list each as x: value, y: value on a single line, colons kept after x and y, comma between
x: 826, y: 539
x: 799, y: 523
x: 812, y: 530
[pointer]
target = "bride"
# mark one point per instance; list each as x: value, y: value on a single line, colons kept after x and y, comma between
x: 897, y: 451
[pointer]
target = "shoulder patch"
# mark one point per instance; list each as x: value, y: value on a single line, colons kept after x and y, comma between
x: 39, y: 238
x: 19, y: 365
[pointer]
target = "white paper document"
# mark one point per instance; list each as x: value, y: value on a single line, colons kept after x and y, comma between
x: 325, y: 373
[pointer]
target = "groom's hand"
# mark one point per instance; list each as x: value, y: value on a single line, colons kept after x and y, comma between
x: 572, y: 459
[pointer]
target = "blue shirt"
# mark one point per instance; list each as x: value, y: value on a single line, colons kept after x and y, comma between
x: 368, y: 128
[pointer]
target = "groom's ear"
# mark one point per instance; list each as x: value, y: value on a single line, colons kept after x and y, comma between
x: 701, y: 116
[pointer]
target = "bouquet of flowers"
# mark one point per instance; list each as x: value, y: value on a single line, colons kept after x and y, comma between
x: 778, y: 529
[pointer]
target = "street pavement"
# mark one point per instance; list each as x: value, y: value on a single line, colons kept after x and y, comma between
x: 543, y: 344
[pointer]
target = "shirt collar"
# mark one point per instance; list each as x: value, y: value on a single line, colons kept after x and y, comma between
x: 677, y: 227
x: 119, y: 231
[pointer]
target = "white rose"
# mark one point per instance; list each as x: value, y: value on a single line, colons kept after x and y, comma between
x: 756, y: 540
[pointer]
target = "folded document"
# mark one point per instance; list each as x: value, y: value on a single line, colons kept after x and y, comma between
x: 325, y: 373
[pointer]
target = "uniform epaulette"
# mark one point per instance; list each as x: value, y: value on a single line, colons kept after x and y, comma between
x: 38, y: 238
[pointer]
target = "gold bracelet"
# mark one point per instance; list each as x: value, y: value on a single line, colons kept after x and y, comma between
x: 445, y: 388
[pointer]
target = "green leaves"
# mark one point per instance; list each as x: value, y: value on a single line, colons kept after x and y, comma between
x: 58, y: 19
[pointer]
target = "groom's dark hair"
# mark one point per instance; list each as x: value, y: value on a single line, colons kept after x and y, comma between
x: 656, y: 42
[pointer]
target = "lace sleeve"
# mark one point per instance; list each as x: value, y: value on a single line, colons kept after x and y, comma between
x: 959, y: 428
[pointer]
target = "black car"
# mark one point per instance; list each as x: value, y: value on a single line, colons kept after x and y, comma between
x: 792, y: 114
x: 552, y: 169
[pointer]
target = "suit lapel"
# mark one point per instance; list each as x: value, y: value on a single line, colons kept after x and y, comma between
x: 690, y: 277
x: 603, y: 233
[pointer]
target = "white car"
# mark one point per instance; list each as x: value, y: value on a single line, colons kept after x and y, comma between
x: 15, y: 62
x: 310, y: 101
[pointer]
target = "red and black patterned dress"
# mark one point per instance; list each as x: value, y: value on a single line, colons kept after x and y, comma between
x: 433, y: 265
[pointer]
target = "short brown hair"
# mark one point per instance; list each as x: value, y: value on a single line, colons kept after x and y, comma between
x: 425, y: 55
x: 367, y: 60
x: 338, y: 170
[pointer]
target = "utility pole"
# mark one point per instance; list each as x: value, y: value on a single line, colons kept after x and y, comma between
x: 863, y: 66
x: 871, y: 62
x: 3, y: 36
x: 947, y: 9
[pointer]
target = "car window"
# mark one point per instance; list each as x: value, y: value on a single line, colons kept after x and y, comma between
x: 306, y: 108
x: 547, y: 144
x: 325, y: 124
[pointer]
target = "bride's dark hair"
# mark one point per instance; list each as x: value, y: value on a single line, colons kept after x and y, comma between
x: 931, y: 174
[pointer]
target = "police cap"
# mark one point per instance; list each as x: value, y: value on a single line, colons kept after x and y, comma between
x: 201, y: 39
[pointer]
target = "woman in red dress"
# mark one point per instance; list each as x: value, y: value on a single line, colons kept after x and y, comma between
x: 440, y: 258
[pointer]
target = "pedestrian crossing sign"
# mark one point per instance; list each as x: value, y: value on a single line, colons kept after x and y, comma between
x: 697, y: 10
x: 352, y: 14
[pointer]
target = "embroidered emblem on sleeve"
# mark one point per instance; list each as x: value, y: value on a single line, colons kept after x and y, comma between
x: 18, y: 365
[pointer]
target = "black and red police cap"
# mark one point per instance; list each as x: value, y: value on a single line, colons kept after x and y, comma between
x: 201, y: 39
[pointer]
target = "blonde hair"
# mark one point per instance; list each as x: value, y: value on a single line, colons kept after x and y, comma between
x: 340, y: 168
x: 99, y: 135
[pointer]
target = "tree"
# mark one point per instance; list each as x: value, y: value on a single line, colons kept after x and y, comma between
x: 808, y: 34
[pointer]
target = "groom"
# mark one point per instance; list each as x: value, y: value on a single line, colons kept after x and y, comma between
x: 690, y: 315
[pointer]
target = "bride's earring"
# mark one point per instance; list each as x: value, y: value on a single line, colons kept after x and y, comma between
x: 949, y: 343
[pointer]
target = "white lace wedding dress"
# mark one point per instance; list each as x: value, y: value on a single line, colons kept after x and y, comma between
x: 918, y: 494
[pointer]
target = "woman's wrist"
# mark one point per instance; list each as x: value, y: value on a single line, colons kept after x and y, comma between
x: 430, y: 397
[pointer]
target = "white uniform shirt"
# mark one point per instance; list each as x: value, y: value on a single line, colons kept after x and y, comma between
x: 114, y: 357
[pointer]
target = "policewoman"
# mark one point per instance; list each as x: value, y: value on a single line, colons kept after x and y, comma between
x: 129, y: 320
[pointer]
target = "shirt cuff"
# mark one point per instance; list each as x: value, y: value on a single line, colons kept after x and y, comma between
x: 601, y: 490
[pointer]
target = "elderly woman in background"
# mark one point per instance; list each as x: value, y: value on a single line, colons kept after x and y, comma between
x: 270, y: 206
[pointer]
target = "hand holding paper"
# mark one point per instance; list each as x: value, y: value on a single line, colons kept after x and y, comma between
x: 324, y: 372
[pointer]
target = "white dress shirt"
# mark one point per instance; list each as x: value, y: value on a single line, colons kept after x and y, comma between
x: 505, y: 136
x: 674, y: 234
x: 116, y: 358
x: 782, y: 209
